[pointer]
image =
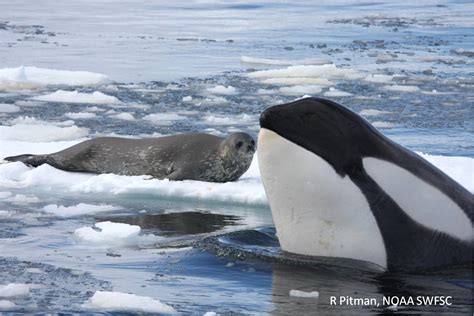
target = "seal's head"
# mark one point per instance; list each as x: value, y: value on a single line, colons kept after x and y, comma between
x: 239, y: 145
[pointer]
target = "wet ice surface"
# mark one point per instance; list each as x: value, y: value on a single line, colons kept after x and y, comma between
x: 210, y: 67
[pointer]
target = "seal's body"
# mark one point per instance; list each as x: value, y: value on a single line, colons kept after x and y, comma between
x: 337, y: 187
x: 200, y: 157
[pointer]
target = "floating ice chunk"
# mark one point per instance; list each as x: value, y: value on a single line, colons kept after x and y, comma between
x: 373, y: 112
x: 284, y: 62
x: 266, y: 91
x: 14, y: 289
x: 214, y: 101
x: 210, y: 314
x: 299, y: 90
x: 460, y: 169
x: 80, y: 115
x: 401, y: 88
x: 109, y: 233
x: 33, y: 77
x: 298, y: 293
x: 164, y: 118
x: 230, y: 120
x: 78, y: 97
x: 377, y: 78
x: 298, y: 81
x: 76, y: 210
x: 124, y: 302
x: 382, y: 124
x: 94, y: 109
x: 21, y: 199
x: 333, y: 92
x: 9, y: 108
x: 323, y: 71
x: 187, y: 98
x: 33, y: 130
x: 219, y: 89
x: 7, y: 305
x: 124, y: 116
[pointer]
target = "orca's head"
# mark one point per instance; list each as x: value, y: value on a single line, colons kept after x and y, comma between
x: 325, y: 128
x: 307, y: 152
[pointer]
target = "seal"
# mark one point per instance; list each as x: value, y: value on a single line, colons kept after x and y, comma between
x: 194, y: 156
x: 339, y: 188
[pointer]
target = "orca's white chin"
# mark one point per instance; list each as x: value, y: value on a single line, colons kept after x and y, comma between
x: 316, y: 212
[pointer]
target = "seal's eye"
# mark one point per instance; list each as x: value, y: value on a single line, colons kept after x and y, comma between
x: 239, y: 144
x: 252, y: 142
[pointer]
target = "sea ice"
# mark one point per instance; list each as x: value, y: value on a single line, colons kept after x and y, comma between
x: 80, y: 115
x: 76, y: 210
x: 124, y: 302
x: 401, y: 88
x: 219, y: 89
x: 78, y: 97
x: 34, y: 77
x: 333, y: 92
x: 382, y: 124
x: 373, y: 112
x: 298, y: 293
x: 9, y: 108
x: 108, y: 233
x: 14, y: 289
x: 284, y: 62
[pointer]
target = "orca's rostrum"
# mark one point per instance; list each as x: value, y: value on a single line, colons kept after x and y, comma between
x: 337, y: 187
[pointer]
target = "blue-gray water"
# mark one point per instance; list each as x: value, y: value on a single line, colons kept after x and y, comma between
x: 158, y: 53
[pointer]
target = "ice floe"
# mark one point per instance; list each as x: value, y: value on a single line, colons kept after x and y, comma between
x: 373, y: 112
x: 124, y: 302
x: 401, y: 88
x: 224, y: 90
x: 164, y: 119
x: 14, y: 289
x: 383, y: 124
x: 34, y: 77
x: 230, y: 120
x: 284, y: 62
x: 298, y: 293
x: 75, y: 96
x: 123, y: 116
x: 379, y: 78
x: 34, y: 130
x: 333, y: 92
x: 78, y: 209
x: 80, y: 115
x: 300, y: 90
x: 9, y: 108
x: 6, y: 305
x: 108, y: 233
x: 329, y: 72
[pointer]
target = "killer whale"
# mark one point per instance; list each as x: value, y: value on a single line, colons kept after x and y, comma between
x: 337, y: 187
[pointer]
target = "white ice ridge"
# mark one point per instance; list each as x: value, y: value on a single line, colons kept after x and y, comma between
x: 33, y: 130
x: 219, y: 89
x: 247, y: 190
x: 124, y: 302
x: 284, y: 62
x: 298, y: 293
x: 108, y: 233
x: 75, y: 96
x: 78, y: 209
x: 33, y: 77
x: 329, y: 71
x: 14, y: 289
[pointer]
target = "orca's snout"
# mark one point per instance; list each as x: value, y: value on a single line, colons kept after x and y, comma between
x: 267, y: 117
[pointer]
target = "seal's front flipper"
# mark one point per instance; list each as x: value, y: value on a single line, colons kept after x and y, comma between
x: 28, y: 159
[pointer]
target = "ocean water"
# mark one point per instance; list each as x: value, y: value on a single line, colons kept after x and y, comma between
x: 80, y: 69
